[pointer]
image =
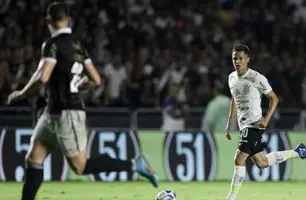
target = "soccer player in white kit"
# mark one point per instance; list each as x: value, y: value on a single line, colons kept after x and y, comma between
x: 247, y: 86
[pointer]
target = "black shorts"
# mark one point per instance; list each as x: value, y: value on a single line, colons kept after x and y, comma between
x: 251, y: 141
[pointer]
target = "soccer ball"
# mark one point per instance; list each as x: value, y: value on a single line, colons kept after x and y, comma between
x: 166, y: 195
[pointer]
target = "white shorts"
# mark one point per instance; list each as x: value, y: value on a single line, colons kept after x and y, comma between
x: 67, y: 130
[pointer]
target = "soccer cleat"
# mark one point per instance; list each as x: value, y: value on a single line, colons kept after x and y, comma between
x: 301, y: 150
x: 144, y: 169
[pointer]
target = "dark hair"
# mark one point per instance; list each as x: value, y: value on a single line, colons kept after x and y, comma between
x: 58, y: 11
x: 241, y: 47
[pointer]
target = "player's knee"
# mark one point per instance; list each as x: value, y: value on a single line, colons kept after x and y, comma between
x: 78, y: 170
x: 32, y: 158
x: 78, y: 162
x: 262, y: 164
x: 78, y: 167
x: 28, y: 158
x: 38, y: 152
x: 239, y: 162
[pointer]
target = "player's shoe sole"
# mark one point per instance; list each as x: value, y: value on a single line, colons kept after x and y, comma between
x: 301, y: 150
x: 144, y: 169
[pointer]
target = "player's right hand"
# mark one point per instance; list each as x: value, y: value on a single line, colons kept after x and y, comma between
x: 228, y: 136
x: 227, y: 133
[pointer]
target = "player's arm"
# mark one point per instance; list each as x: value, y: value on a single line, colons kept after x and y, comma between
x: 44, y: 69
x: 273, y: 102
x: 94, y: 76
x: 41, y: 75
x: 232, y: 114
x: 266, y: 89
x: 233, y: 110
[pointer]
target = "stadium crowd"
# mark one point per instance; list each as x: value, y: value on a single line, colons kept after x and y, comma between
x: 140, y: 47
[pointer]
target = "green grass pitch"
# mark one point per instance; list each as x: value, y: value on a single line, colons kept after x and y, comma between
x: 144, y: 191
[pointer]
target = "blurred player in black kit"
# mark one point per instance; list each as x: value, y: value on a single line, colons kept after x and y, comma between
x: 64, y: 67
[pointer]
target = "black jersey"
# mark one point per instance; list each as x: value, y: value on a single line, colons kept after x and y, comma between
x: 70, y: 57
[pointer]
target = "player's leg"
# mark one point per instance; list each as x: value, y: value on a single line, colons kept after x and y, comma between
x: 72, y: 137
x: 277, y: 157
x: 239, y: 172
x: 40, y: 147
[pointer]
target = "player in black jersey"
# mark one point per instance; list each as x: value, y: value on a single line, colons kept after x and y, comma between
x: 64, y: 67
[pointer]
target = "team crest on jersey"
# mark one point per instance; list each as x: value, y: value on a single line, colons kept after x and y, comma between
x: 246, y: 89
x: 251, y: 79
x: 242, y: 91
x: 237, y: 92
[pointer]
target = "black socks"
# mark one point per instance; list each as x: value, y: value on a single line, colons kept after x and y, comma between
x: 104, y: 163
x: 34, y: 175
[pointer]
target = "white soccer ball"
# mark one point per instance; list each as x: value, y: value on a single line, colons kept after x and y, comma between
x: 166, y: 195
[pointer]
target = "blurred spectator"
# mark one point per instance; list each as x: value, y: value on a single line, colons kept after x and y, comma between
x: 174, y: 112
x: 217, y: 110
x: 141, y: 47
x: 5, y: 76
x: 116, y: 75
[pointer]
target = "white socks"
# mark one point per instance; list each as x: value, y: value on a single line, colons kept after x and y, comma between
x: 237, y: 180
x: 280, y: 156
x: 239, y: 171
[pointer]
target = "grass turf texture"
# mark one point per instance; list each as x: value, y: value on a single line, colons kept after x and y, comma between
x: 144, y: 191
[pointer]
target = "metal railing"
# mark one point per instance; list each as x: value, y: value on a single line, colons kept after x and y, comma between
x: 144, y: 118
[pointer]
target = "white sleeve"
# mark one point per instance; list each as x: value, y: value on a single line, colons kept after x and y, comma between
x: 263, y: 85
x: 229, y: 81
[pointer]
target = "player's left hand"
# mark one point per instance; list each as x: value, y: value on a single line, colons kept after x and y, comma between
x: 227, y: 132
x: 263, y: 123
x: 14, y: 96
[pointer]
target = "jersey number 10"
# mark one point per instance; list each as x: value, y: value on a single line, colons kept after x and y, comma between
x: 76, y: 70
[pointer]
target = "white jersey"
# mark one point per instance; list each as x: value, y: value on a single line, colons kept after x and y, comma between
x: 246, y: 91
